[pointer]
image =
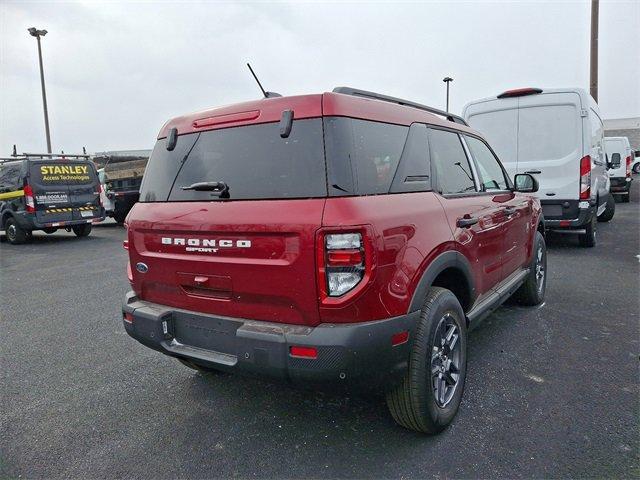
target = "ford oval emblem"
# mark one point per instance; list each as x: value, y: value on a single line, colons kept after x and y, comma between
x: 142, y: 267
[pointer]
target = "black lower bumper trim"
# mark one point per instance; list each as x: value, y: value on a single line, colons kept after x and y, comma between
x: 355, y: 354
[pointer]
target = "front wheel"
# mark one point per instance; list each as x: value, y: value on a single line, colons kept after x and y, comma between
x: 531, y: 292
x: 428, y: 398
x: 609, y: 211
x: 82, y: 230
x: 588, y: 238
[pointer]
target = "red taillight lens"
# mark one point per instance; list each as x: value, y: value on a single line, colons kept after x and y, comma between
x: 399, y: 338
x: 343, y: 258
x: 304, y: 352
x: 28, y: 199
x: 128, y: 317
x: 585, y: 178
x: 629, y: 166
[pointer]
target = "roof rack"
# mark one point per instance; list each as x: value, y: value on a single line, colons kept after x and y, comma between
x: 61, y: 156
x: 385, y: 98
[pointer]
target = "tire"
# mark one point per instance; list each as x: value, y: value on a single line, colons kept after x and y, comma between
x: 16, y: 235
x: 413, y: 403
x: 636, y: 168
x: 50, y: 230
x: 82, y: 230
x: 531, y: 292
x: 588, y: 239
x: 119, y: 217
x: 626, y: 198
x: 195, y: 366
x: 609, y: 211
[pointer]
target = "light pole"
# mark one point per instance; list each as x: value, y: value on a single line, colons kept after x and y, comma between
x: 593, y: 81
x: 34, y: 32
x: 447, y: 80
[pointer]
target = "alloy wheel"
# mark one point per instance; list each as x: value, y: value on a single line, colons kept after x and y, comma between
x: 445, y: 360
x: 540, y: 268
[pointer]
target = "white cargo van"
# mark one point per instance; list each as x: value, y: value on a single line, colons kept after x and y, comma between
x: 556, y: 135
x: 620, y: 156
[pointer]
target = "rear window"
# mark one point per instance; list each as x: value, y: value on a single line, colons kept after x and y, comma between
x: 548, y: 133
x: 254, y: 161
x: 59, y: 172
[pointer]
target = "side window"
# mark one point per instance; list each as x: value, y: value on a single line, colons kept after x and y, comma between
x: 10, y: 176
x: 414, y: 170
x: 450, y: 163
x: 491, y: 174
x: 362, y: 156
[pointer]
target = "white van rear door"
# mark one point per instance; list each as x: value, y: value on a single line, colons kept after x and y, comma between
x: 617, y: 146
x: 550, y: 143
x: 497, y: 120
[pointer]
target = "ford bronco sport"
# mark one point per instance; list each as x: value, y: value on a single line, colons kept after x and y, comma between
x: 346, y: 237
x: 46, y: 194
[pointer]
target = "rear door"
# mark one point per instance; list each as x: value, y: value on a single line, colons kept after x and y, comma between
x: 250, y: 255
x: 475, y: 218
x: 550, y: 143
x: 616, y: 146
x: 64, y: 190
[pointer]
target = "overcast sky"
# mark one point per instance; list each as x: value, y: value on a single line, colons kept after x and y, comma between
x: 115, y: 72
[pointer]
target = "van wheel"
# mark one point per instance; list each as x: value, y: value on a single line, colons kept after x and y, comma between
x: 636, y: 168
x: 16, y: 235
x: 120, y: 217
x: 195, y: 366
x: 531, y: 292
x: 82, y: 230
x: 588, y: 239
x: 428, y: 398
x: 609, y: 211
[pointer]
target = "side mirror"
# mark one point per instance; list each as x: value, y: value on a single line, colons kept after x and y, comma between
x: 615, y: 160
x: 525, y: 183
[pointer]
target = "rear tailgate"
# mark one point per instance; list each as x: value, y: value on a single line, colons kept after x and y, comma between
x: 246, y: 254
x: 252, y: 260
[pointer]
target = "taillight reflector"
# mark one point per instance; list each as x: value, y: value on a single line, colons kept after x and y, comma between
x: 585, y: 178
x: 399, y: 338
x: 629, y: 166
x: 304, y: 352
x: 127, y: 317
x: 338, y: 258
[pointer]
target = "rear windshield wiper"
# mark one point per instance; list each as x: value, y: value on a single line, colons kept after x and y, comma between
x: 216, y: 188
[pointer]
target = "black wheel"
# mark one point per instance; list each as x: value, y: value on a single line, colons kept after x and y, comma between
x: 195, y: 366
x: 626, y: 198
x: 588, y: 238
x: 531, y: 292
x: 636, y: 168
x: 82, y: 230
x: 119, y: 217
x: 15, y: 233
x: 50, y: 230
x: 609, y: 211
x: 428, y: 398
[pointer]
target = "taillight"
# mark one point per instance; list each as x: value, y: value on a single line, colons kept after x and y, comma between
x: 629, y: 166
x: 343, y: 262
x: 585, y: 178
x: 28, y: 199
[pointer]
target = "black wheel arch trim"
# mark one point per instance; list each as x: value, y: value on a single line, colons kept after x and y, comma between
x: 448, y: 259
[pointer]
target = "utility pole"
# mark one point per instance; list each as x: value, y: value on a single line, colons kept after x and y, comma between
x: 447, y: 80
x: 41, y: 33
x: 593, y: 84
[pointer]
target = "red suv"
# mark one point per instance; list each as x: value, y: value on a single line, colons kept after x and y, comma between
x: 347, y: 237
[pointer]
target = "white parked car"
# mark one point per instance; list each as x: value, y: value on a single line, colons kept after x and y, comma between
x: 620, y: 157
x: 558, y: 136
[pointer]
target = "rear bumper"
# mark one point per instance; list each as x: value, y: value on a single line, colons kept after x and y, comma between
x: 28, y: 221
x: 569, y: 214
x: 356, y: 354
x: 620, y: 184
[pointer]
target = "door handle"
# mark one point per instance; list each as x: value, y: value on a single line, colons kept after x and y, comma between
x: 534, y: 172
x: 509, y: 211
x: 466, y: 221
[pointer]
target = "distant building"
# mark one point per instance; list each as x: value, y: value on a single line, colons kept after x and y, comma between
x: 624, y: 127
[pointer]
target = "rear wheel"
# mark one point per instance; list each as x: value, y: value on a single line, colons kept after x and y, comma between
x: 15, y: 234
x: 609, y: 211
x: 636, y: 168
x: 531, y: 292
x: 588, y: 238
x: 82, y: 230
x: 49, y: 230
x: 428, y: 398
x: 119, y: 217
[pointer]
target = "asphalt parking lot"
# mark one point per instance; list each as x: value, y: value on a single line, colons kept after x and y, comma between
x: 551, y: 391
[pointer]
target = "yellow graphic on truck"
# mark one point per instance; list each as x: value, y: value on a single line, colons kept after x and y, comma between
x: 57, y: 173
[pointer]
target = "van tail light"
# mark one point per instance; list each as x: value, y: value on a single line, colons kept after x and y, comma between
x: 629, y: 166
x: 585, y: 178
x: 341, y: 262
x: 28, y: 199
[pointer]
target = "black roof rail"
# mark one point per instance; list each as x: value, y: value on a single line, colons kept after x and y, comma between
x: 385, y: 98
